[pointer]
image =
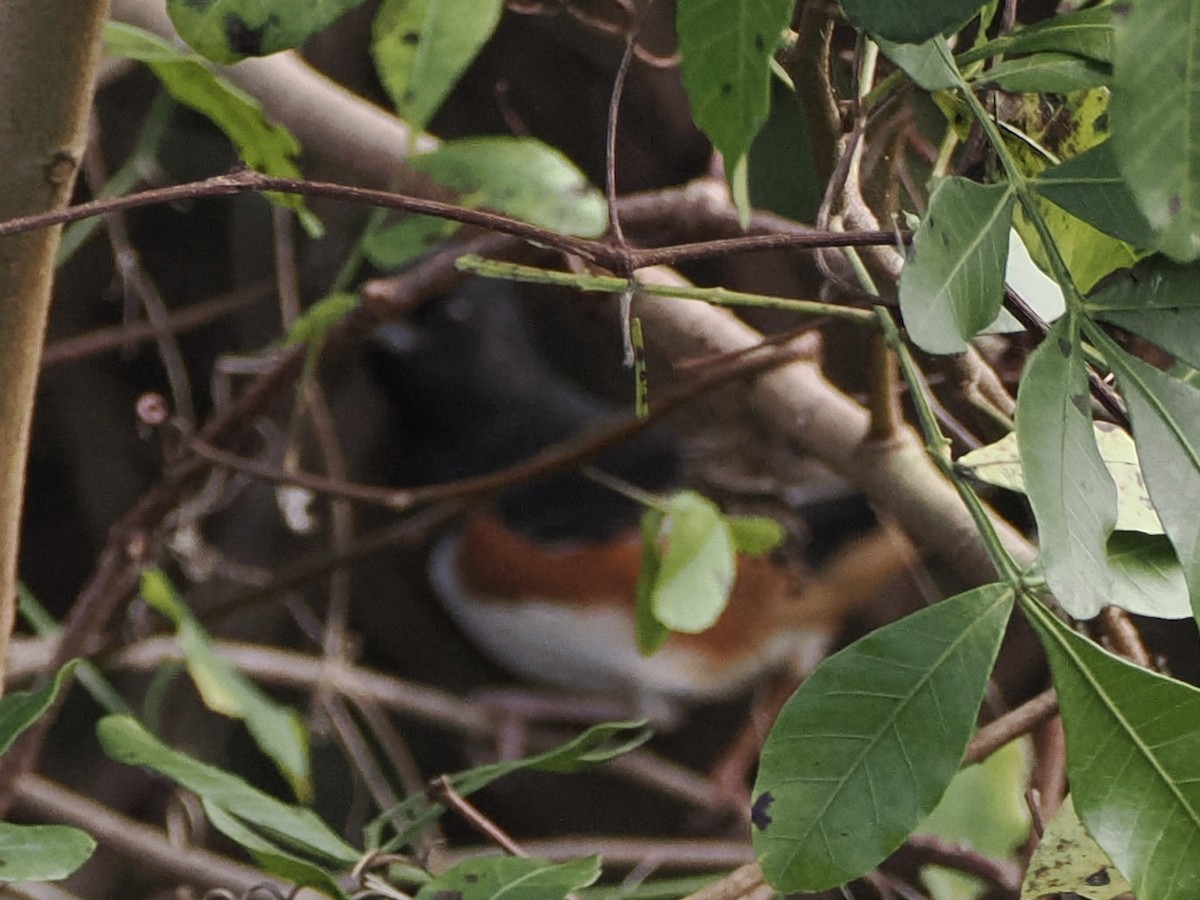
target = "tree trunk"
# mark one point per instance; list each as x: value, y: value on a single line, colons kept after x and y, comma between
x: 48, y: 55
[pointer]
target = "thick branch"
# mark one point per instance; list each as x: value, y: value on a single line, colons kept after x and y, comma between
x: 896, y: 474
x: 48, y: 54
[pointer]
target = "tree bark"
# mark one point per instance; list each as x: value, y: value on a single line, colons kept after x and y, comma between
x: 48, y: 55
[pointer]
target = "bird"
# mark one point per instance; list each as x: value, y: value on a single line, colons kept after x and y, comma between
x: 543, y: 579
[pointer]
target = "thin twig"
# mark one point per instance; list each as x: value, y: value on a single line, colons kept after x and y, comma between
x: 359, y: 754
x: 102, y: 340
x: 1123, y: 636
x: 601, y: 253
x: 137, y: 285
x: 148, y: 847
x: 929, y: 849
x: 441, y: 791
x: 553, y: 458
x: 1010, y: 726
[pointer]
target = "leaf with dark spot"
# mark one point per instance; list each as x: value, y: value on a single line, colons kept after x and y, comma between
x: 759, y: 817
x: 1098, y: 879
x: 243, y: 39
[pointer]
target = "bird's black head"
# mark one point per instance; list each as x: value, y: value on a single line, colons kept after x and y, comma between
x: 473, y: 394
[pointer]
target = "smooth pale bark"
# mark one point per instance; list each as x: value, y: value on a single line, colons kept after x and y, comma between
x: 48, y: 55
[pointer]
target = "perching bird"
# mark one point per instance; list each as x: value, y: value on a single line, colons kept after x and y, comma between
x: 544, y: 579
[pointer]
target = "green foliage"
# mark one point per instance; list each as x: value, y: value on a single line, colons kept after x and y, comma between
x: 984, y: 808
x: 1158, y: 300
x: 598, y: 744
x: 277, y: 730
x: 953, y: 283
x: 1090, y: 186
x: 323, y: 315
x: 1156, y: 117
x: 520, y: 177
x: 42, y: 852
x: 37, y: 852
x: 422, y: 47
x: 695, y: 563
x: 228, y: 30
x: 262, y: 145
x: 726, y: 47
x: 689, y: 560
x: 1131, y: 758
x: 512, y: 878
x: 912, y: 22
x: 862, y: 753
x: 864, y: 750
x: 20, y: 709
x: 1166, y: 428
x: 1086, y: 33
x: 286, y: 839
x: 1073, y: 496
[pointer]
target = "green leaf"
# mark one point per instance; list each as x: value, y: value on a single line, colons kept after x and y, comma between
x: 1089, y: 253
x: 1084, y: 32
x: 512, y: 878
x: 726, y: 48
x: 1133, y: 758
x: 909, y: 23
x: 1073, y: 497
x: 1091, y: 187
x: 697, y: 564
x: 754, y: 535
x: 598, y: 744
x: 1068, y: 860
x: 395, y: 242
x: 277, y: 730
x: 422, y: 47
x: 1159, y: 300
x: 953, y: 283
x: 651, y: 633
x: 984, y: 808
x: 1155, y: 115
x: 863, y: 751
x: 1049, y: 73
x: 20, y: 709
x: 323, y: 315
x: 228, y: 30
x: 924, y: 63
x: 42, y: 852
x: 783, y: 178
x: 1147, y: 577
x: 520, y: 177
x: 261, y: 145
x: 1165, y: 414
x: 292, y: 829
x: 269, y: 855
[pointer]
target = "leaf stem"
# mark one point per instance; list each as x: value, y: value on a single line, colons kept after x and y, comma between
x: 938, y: 447
x: 611, y: 284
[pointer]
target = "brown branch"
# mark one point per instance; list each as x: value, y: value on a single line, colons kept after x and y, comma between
x: 1010, y: 726
x: 926, y: 849
x: 150, y: 848
x: 599, y: 252
x: 104, y: 339
x: 131, y: 542
x: 442, y: 791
